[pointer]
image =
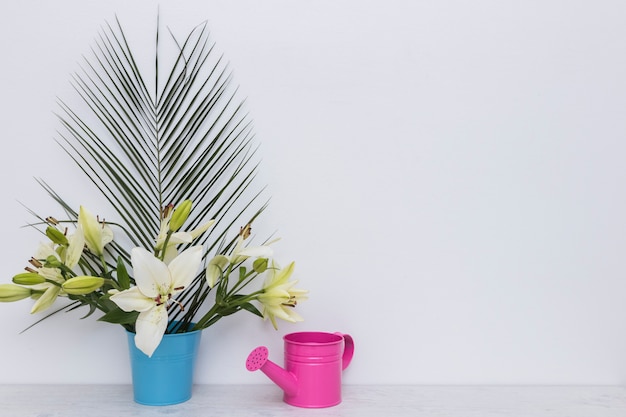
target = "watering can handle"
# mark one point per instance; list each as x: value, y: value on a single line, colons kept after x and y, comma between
x: 348, y: 350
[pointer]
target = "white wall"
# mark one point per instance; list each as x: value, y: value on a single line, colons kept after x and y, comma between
x: 448, y: 175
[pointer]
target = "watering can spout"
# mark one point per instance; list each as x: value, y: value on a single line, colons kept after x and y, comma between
x: 258, y: 359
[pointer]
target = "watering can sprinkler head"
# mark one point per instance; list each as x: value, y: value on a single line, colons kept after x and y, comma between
x: 258, y: 359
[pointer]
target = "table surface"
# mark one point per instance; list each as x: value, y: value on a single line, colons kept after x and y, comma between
x: 362, y: 401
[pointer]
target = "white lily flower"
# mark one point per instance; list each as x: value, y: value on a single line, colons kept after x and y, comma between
x: 177, y: 237
x: 69, y: 255
x: 241, y: 253
x: 157, y: 282
x: 218, y: 265
x: 52, y: 291
x: 279, y: 297
x: 97, y: 234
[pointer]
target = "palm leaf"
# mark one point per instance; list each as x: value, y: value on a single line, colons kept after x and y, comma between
x: 144, y: 146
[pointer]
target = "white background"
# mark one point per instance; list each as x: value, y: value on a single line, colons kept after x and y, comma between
x: 449, y: 177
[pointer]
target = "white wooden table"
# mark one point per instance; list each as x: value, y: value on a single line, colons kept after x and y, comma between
x: 358, y: 401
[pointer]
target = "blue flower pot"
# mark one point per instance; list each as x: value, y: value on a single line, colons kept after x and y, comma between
x: 167, y: 377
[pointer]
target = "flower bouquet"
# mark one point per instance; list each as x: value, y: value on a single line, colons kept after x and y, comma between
x: 174, y: 162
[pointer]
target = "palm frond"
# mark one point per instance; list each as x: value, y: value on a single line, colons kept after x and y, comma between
x: 145, y: 145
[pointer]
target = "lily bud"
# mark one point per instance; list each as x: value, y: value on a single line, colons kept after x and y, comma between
x: 52, y: 262
x: 180, y: 215
x: 56, y: 236
x: 12, y: 292
x: 82, y: 285
x: 28, y: 278
x: 260, y: 265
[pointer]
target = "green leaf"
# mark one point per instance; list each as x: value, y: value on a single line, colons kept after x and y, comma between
x: 119, y: 316
x: 252, y: 309
x: 82, y: 302
x: 228, y: 311
x: 66, y: 308
x: 123, y: 279
x: 92, y: 309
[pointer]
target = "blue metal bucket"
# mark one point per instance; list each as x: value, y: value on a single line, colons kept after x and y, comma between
x: 167, y: 377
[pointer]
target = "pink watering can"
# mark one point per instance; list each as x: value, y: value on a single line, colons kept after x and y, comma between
x: 314, y: 362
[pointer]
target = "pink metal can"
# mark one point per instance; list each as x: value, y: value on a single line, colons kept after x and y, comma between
x: 314, y: 362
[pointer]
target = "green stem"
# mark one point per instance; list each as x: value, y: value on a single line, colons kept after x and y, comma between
x: 213, y: 314
x: 113, y: 283
x: 65, y: 270
x: 242, y: 283
x: 105, y: 268
x: 165, y: 243
x: 202, y: 323
x: 225, y: 303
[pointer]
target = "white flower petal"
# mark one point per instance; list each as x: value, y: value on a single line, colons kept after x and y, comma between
x: 195, y: 233
x: 184, y: 267
x: 284, y: 274
x: 180, y: 237
x: 92, y: 230
x: 44, y: 250
x: 46, y: 299
x: 256, y: 252
x: 215, y: 269
x: 277, y: 276
x: 133, y: 300
x: 275, y: 296
x: 279, y: 312
x: 75, y: 247
x: 151, y: 275
x: 165, y: 225
x: 107, y: 234
x: 53, y: 274
x: 170, y: 253
x: 149, y: 328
